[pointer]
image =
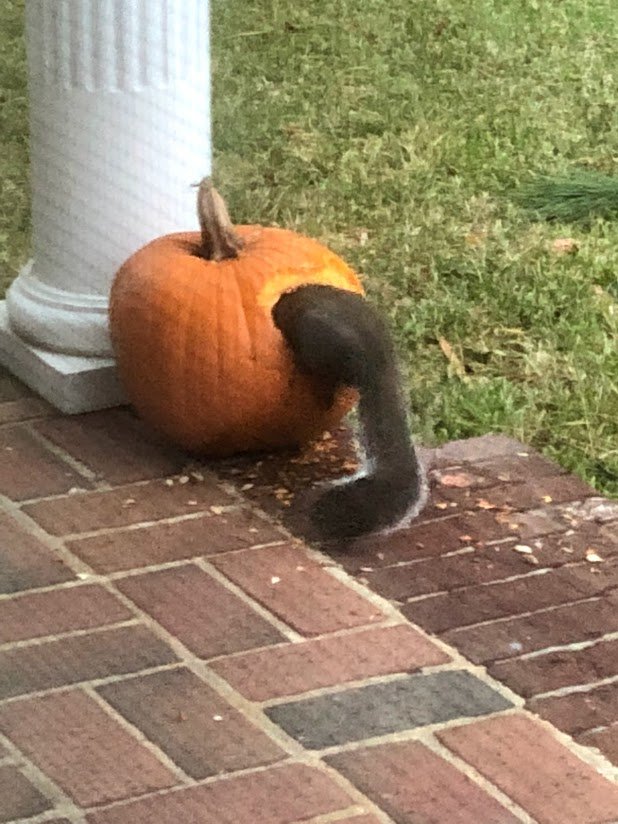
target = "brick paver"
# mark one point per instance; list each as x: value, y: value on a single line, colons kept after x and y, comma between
x: 297, y: 589
x: 530, y: 766
x: 191, y: 723
x: 29, y: 470
x: 57, y: 611
x: 25, y: 561
x: 161, y: 543
x: 282, y: 795
x: 290, y: 669
x: 208, y: 618
x: 380, y: 709
x: 76, y: 658
x: 411, y: 783
x: 18, y: 798
x: 168, y: 653
x: 87, y: 752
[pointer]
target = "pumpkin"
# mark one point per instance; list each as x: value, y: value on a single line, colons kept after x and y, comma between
x: 197, y: 350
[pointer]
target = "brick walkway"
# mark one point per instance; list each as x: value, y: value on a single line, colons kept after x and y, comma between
x: 169, y: 653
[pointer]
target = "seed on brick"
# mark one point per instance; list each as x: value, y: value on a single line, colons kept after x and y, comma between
x: 593, y: 556
x: 523, y: 548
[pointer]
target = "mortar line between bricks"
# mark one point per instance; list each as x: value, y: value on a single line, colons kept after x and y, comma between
x: 72, y: 633
x: 92, y: 682
x: 413, y: 734
x: 342, y: 815
x: 200, y: 668
x: 200, y: 514
x: 51, y: 815
x: 123, y: 574
x: 574, y: 646
x: 600, y: 728
x: 53, y: 542
x: 601, y: 764
x: 391, y: 612
x: 359, y: 683
x: 113, y: 487
x: 251, y: 711
x: 63, y: 805
x: 533, y: 573
x: 138, y: 735
x: 388, y: 623
x: 78, y: 466
x: 355, y: 794
x: 504, y: 618
x: 571, y: 689
x: 593, y: 758
x: 286, y: 630
x: 432, y: 743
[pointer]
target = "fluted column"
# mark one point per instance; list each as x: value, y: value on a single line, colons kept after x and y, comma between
x: 119, y: 96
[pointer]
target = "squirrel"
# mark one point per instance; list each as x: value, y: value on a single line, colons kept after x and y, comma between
x: 338, y: 338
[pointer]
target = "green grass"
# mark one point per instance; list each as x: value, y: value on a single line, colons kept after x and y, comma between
x: 396, y: 132
x: 14, y: 206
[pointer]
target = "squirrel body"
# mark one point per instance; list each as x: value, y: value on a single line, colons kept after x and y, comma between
x: 340, y: 339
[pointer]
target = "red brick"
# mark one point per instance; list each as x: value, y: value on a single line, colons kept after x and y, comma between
x: 530, y: 766
x: 556, y: 627
x: 57, y: 611
x: 11, y: 388
x: 297, y: 589
x: 528, y: 594
x: 412, y: 784
x: 115, y: 445
x: 470, y: 450
x: 29, y: 470
x: 124, y: 506
x: 25, y: 562
x: 606, y: 741
x: 18, y: 798
x: 297, y: 668
x: 24, y: 409
x: 82, y: 748
x: 580, y: 711
x: 208, y: 618
x: 562, y: 668
x: 520, y: 467
x: 80, y: 658
x: 452, y: 533
x: 164, y: 542
x: 281, y: 795
x: 534, y: 492
x: 191, y: 723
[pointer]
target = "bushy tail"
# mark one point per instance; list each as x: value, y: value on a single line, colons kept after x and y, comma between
x: 340, y: 339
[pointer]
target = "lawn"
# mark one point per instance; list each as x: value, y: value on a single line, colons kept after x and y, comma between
x: 396, y: 132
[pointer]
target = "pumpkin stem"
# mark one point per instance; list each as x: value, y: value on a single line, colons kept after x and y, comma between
x: 219, y: 240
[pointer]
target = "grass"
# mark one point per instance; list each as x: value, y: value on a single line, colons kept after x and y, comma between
x: 396, y: 133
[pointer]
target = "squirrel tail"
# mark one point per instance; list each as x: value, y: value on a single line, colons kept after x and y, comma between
x: 339, y: 338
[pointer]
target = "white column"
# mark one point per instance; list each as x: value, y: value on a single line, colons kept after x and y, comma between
x: 119, y: 96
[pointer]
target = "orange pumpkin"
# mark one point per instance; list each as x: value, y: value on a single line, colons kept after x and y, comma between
x: 197, y: 350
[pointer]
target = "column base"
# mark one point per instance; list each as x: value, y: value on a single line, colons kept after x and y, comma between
x: 71, y: 383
